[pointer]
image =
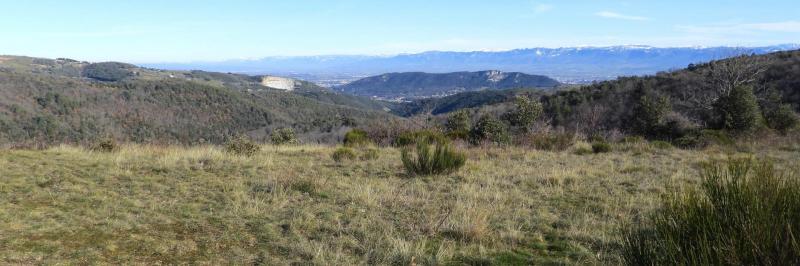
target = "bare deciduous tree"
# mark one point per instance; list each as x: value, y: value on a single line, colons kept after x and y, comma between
x: 725, y: 75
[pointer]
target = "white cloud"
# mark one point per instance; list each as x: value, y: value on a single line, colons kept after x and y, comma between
x: 744, y: 28
x: 614, y: 15
x: 542, y: 8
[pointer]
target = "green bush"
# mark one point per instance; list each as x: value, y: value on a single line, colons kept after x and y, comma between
x: 782, y: 118
x: 648, y: 115
x: 457, y: 123
x: 356, y: 138
x: 552, y: 142
x: 417, y: 136
x: 283, y: 136
x: 369, y: 154
x: 441, y: 159
x: 738, y: 111
x: 489, y: 129
x: 344, y: 154
x: 601, y: 147
x: 661, y: 145
x: 744, y: 213
x: 242, y: 146
x: 105, y: 145
x: 704, y: 138
x: 525, y: 113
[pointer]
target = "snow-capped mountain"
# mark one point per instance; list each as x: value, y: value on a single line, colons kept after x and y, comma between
x: 571, y: 64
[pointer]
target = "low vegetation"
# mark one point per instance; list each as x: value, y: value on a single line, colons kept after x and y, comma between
x: 294, y: 204
x: 242, y: 146
x: 744, y: 213
x: 344, y: 154
x: 283, y: 136
x: 432, y: 159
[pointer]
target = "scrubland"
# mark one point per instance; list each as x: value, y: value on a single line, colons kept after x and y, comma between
x: 294, y: 204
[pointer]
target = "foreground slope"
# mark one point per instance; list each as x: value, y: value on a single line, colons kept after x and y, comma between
x: 170, y: 205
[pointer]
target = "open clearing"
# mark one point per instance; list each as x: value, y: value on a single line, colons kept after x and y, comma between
x: 171, y: 205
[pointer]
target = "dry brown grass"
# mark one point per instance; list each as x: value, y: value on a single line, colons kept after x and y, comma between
x: 200, y: 205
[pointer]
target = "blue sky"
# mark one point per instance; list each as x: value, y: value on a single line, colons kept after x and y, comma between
x: 146, y: 31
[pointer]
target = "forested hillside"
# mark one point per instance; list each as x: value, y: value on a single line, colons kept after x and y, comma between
x: 53, y: 101
x: 736, y: 96
x: 689, y: 96
x: 424, y: 85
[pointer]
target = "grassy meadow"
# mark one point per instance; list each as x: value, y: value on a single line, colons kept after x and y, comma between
x: 152, y: 205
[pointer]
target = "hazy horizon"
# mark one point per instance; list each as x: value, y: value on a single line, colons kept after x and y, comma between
x: 208, y: 31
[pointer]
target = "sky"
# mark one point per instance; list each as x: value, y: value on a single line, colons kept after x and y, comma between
x: 145, y: 31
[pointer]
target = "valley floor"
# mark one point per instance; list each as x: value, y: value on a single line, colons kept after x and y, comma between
x: 200, y: 205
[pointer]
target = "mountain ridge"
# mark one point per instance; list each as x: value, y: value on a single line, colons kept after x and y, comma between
x: 567, y: 64
x: 402, y: 85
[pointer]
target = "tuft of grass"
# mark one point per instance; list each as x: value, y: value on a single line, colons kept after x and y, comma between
x: 552, y: 142
x: 601, y: 147
x: 661, y: 145
x: 745, y: 213
x: 369, y: 154
x: 356, y: 138
x: 343, y: 154
x: 441, y: 159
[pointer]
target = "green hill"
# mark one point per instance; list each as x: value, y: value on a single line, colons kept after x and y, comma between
x: 54, y: 101
x: 422, y: 85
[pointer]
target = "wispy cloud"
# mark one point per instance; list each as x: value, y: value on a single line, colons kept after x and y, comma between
x: 542, y: 8
x: 615, y: 15
x: 743, y: 28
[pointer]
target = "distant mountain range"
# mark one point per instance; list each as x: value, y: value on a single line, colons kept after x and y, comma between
x: 423, y: 85
x: 572, y: 65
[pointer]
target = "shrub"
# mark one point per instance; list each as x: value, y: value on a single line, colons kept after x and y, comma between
x: 648, y: 115
x: 356, y: 137
x: 105, y: 145
x: 413, y: 137
x: 489, y: 129
x: 738, y: 111
x: 457, y: 124
x: 343, y: 154
x: 283, y: 136
x: 704, y: 138
x: 745, y: 213
x: 782, y: 118
x: 525, y: 113
x: 369, y: 154
x: 662, y: 145
x: 553, y: 142
x: 442, y: 159
x: 601, y: 147
x: 242, y: 146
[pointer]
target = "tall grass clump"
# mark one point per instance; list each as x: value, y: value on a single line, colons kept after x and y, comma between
x: 745, y: 213
x: 439, y: 158
x: 344, y: 154
x: 356, y: 138
x: 601, y: 147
